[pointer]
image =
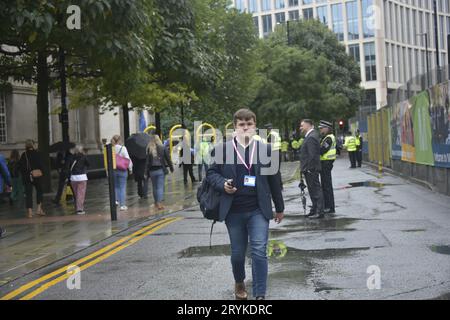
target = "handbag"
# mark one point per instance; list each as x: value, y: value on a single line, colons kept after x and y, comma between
x: 122, y: 163
x: 36, y: 173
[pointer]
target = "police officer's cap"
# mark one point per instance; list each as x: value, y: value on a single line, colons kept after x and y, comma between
x: 325, y: 124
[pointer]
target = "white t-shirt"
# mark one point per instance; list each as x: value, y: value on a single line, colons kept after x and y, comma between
x: 78, y: 177
x: 122, y: 151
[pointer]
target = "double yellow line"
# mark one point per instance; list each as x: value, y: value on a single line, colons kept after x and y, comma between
x: 92, y: 259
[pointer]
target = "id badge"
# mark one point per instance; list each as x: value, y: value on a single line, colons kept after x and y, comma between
x: 249, y: 181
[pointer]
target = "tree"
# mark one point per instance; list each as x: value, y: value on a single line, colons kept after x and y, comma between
x: 312, y: 78
x: 32, y: 33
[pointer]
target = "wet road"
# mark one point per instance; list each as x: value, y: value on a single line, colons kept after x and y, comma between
x: 383, y: 223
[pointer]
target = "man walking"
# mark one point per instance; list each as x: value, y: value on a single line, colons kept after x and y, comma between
x: 327, y: 157
x: 246, y: 189
x: 310, y: 167
x: 350, y: 144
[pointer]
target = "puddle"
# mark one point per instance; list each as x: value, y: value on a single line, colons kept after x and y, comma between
x: 414, y: 230
x: 302, y: 224
x: 372, y: 184
x: 440, y: 249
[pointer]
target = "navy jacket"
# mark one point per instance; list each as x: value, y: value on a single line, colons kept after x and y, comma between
x: 267, y: 186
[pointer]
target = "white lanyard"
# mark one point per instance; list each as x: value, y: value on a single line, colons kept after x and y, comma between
x: 248, y: 167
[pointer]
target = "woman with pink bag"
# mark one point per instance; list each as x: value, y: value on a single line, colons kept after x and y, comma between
x: 123, y: 163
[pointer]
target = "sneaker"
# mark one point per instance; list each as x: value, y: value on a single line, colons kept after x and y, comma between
x: 123, y: 208
x: 117, y: 203
x: 81, y: 212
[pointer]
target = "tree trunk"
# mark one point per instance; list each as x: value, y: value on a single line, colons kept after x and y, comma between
x: 126, y: 122
x: 158, y: 123
x: 42, y: 117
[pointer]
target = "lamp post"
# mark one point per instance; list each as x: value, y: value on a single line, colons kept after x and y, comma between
x: 425, y: 34
x: 288, y: 32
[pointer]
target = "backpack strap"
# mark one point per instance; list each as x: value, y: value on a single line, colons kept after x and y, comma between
x: 210, y: 234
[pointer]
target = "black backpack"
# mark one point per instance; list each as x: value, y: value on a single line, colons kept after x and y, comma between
x: 209, y: 200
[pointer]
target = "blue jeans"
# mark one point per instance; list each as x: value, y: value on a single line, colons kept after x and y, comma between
x: 242, y: 227
x: 157, y: 177
x: 120, y: 181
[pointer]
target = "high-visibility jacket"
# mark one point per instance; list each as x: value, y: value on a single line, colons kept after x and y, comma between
x: 330, y: 154
x: 350, y: 143
x: 358, y: 142
x: 284, y: 146
x: 296, y: 144
x: 275, y: 140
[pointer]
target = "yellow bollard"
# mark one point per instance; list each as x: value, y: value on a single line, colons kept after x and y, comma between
x: 380, y: 167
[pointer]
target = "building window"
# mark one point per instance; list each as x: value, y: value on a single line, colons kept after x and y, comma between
x: 267, y: 24
x: 252, y: 6
x: 256, y: 23
x: 354, y: 52
x: 2, y: 118
x: 307, y: 1
x: 240, y: 5
x: 293, y: 3
x: 279, y: 4
x: 352, y: 20
x: 370, y: 61
x: 338, y: 22
x: 280, y: 18
x: 308, y: 14
x: 322, y: 14
x: 266, y: 5
x: 368, y: 14
x: 294, y: 15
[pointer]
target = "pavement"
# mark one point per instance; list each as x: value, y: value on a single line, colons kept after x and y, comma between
x: 389, y: 239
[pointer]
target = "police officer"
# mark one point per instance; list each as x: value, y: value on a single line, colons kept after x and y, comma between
x: 350, y: 144
x: 327, y: 157
x: 359, y: 145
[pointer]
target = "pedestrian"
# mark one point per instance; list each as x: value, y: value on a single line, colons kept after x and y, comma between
x: 246, y: 207
x: 63, y: 160
x: 350, y: 145
x: 16, y: 179
x: 310, y: 167
x: 78, y: 177
x: 31, y: 167
x: 187, y: 161
x: 140, y: 176
x: 5, y: 178
x: 203, y: 157
x: 123, y: 164
x: 327, y: 157
x: 157, y: 162
x: 359, y: 146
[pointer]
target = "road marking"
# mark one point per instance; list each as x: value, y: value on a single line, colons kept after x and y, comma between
x: 100, y: 254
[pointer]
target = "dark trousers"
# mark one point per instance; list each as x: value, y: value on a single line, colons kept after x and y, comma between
x: 188, y: 168
x: 62, y: 182
x: 352, y: 157
x: 37, y: 183
x: 142, y: 186
x: 359, y: 157
x: 315, y: 191
x: 327, y: 184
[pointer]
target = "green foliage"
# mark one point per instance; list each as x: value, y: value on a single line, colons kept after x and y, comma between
x: 312, y: 78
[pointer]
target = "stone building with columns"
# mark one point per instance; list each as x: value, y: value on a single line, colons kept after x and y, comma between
x: 88, y: 126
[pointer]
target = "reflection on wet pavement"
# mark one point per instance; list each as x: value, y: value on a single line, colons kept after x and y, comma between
x: 30, y: 244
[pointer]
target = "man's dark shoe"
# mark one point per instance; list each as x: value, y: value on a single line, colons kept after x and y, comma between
x: 329, y: 211
x: 317, y: 216
x: 311, y: 213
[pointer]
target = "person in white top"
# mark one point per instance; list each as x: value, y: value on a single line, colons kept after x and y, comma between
x: 78, y: 177
x: 123, y: 162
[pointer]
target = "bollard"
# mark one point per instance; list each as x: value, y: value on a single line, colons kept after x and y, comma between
x: 380, y: 167
x: 112, y: 193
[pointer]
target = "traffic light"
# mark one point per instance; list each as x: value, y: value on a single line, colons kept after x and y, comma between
x: 341, y: 124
